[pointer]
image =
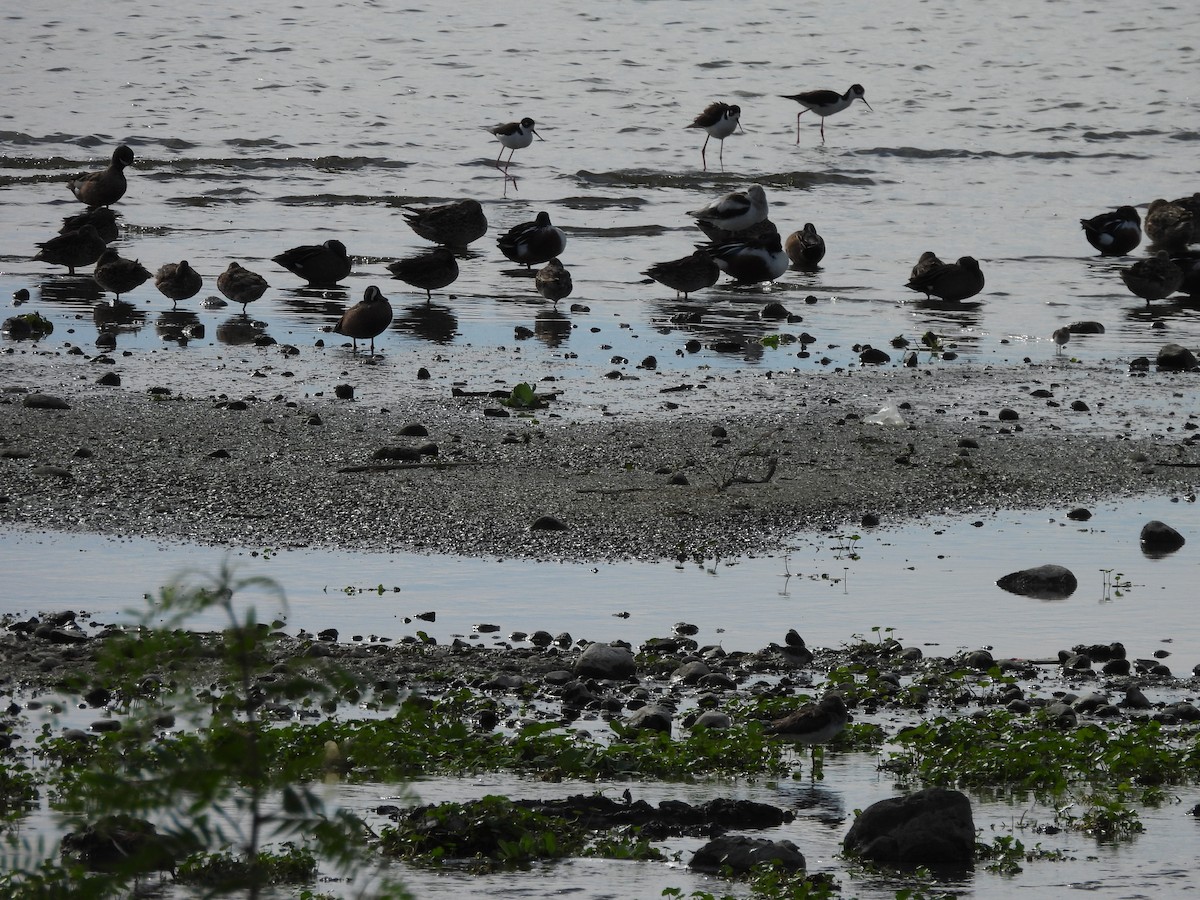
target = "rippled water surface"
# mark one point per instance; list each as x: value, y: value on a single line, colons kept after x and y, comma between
x: 261, y: 127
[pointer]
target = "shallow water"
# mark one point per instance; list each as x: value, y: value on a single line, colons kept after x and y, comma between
x: 261, y: 128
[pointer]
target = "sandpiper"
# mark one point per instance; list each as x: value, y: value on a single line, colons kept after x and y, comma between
x: 951, y: 282
x: 451, y: 224
x: 430, y: 271
x: 80, y: 247
x: 178, y: 281
x: 735, y: 211
x: 321, y: 265
x: 115, y: 273
x: 825, y: 103
x: 758, y: 259
x: 513, y: 136
x: 686, y: 274
x: 1153, y: 278
x: 533, y: 242
x: 240, y: 285
x: 805, y: 248
x: 107, y: 186
x: 1113, y: 233
x: 553, y: 281
x: 366, y: 319
x: 719, y: 120
x: 813, y: 723
x: 1062, y: 337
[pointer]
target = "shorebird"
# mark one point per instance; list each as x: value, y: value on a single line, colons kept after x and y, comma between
x: 430, y: 271
x: 686, y: 274
x: 107, y: 186
x: 1113, y: 233
x: 719, y: 120
x: 321, y: 265
x: 1062, y: 337
x: 825, y: 103
x: 366, y: 319
x: 533, y: 242
x: 103, y: 219
x: 950, y: 281
x: 514, y: 136
x: 813, y: 723
x: 115, y: 273
x: 736, y: 210
x: 80, y: 247
x: 240, y: 285
x: 451, y: 224
x: 757, y: 259
x: 553, y: 281
x: 805, y: 248
x: 1169, y: 225
x: 1153, y: 278
x: 178, y: 281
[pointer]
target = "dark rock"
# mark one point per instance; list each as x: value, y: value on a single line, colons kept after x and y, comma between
x: 740, y: 854
x: 344, y: 391
x: 132, y: 845
x: 929, y: 827
x: 605, y: 661
x: 548, y: 523
x: 1175, y: 358
x: 44, y: 401
x: 650, y: 718
x: 871, y: 356
x: 414, y: 429
x: 1049, y: 582
x: 109, y: 379
x: 1158, y: 538
x: 1086, y: 328
x: 1079, y: 514
x: 1008, y: 415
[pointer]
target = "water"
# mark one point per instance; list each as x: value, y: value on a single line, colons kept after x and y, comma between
x: 261, y: 128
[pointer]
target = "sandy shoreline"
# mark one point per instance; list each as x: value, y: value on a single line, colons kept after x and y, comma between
x: 754, y: 456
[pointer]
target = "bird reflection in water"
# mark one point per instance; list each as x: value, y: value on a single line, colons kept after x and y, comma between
x: 428, y: 321
x: 551, y: 327
x: 178, y: 326
x: 239, y: 330
x: 70, y: 290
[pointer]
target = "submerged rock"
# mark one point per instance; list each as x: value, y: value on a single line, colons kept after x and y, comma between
x: 1049, y: 582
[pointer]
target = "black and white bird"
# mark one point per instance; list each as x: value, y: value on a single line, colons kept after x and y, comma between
x: 825, y: 103
x: 735, y: 211
x: 719, y: 120
x: 1114, y: 233
x: 533, y: 243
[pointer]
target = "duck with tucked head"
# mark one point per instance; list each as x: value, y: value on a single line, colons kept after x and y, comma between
x: 1113, y: 233
x: 533, y: 243
x: 240, y: 285
x: 951, y: 282
x: 178, y: 281
x: 451, y: 224
x: 115, y: 273
x: 686, y: 274
x: 80, y: 247
x: 321, y: 265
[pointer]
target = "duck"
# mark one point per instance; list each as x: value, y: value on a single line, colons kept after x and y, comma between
x: 80, y: 247
x: 107, y: 186
x: 805, y: 248
x: 1169, y: 225
x: 321, y: 265
x: 1114, y: 233
x: 429, y: 271
x: 1189, y: 265
x: 927, y: 262
x: 103, y: 219
x: 533, y: 243
x: 1153, y: 278
x: 951, y: 282
x: 240, y: 285
x: 736, y: 210
x: 553, y: 281
x: 366, y: 319
x: 757, y: 259
x: 454, y: 224
x: 686, y: 274
x: 115, y: 273
x: 719, y: 120
x: 178, y: 281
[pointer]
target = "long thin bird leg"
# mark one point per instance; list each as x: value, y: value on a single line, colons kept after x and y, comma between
x: 703, y: 161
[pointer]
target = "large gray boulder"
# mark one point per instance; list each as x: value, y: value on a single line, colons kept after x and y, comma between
x: 605, y: 661
x: 930, y: 827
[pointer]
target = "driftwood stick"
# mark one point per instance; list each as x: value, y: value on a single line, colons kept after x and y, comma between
x: 391, y: 467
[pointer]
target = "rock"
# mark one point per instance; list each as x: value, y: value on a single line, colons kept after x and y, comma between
x: 740, y: 854
x: 548, y: 523
x: 1175, y: 358
x: 44, y: 401
x: 712, y: 719
x: 1079, y: 514
x: 650, y: 718
x: 605, y: 661
x: 1049, y: 582
x: 1159, y: 538
x: 930, y: 827
x: 871, y: 356
x: 109, y: 379
x: 690, y: 672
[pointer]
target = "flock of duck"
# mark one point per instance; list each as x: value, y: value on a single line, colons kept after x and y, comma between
x: 741, y: 241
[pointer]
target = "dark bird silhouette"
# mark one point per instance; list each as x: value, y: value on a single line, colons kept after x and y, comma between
x: 321, y: 265
x: 1113, y: 233
x: 553, y: 281
x: 686, y: 274
x: 951, y: 282
x: 430, y: 271
x: 107, y: 186
x: 240, y: 285
x: 178, y: 281
x: 533, y: 243
x: 452, y: 224
x: 366, y: 319
x: 80, y: 247
x: 115, y: 273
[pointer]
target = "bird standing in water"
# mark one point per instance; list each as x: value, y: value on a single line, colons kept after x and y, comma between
x: 719, y: 120
x: 107, y: 186
x: 825, y: 103
x: 366, y: 319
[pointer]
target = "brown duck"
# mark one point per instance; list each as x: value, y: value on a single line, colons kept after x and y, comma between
x: 321, y: 265
x: 178, y: 281
x: 115, y: 273
x: 240, y: 285
x: 366, y: 319
x: 80, y: 247
x: 107, y: 186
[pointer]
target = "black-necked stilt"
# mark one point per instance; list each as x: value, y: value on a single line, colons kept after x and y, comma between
x: 951, y: 282
x: 115, y: 273
x: 825, y: 103
x: 757, y: 259
x: 513, y: 136
x: 1154, y: 278
x: 1114, y: 233
x: 240, y: 285
x: 1170, y: 225
x: 80, y: 247
x: 686, y: 274
x: 719, y: 120
x: 735, y: 211
x: 533, y: 242
x: 366, y: 319
x: 319, y: 264
x: 805, y: 248
x: 178, y: 281
x: 107, y: 186
x: 553, y: 281
x: 451, y: 224
x: 430, y: 271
